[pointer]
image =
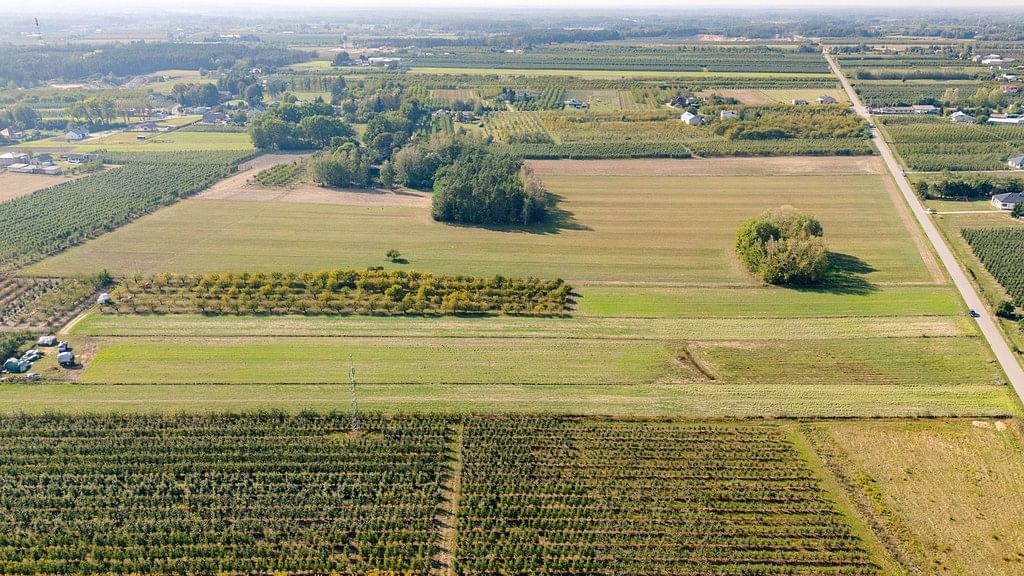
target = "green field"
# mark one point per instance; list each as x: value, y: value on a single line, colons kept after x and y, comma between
x: 621, y: 229
x: 176, y: 141
x: 612, y: 73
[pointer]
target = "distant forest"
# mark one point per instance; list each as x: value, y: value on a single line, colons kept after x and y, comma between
x: 29, y: 65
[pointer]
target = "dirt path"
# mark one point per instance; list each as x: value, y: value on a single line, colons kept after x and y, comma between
x: 446, y: 516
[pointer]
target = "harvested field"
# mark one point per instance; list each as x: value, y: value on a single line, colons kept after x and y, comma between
x: 16, y: 185
x: 778, y: 166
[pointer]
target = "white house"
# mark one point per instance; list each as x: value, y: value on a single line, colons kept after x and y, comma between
x: 728, y: 115
x: 826, y: 99
x: 8, y: 158
x: 962, y: 117
x: 76, y: 134
x: 1017, y: 162
x: 1007, y: 201
x: 691, y: 118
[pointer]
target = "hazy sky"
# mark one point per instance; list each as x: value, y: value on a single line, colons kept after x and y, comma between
x: 345, y: 5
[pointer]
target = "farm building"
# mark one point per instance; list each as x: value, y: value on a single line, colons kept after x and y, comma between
x: 1004, y: 119
x: 383, y: 61
x: 1007, y: 201
x: 11, y: 133
x: 915, y: 109
x: 8, y: 158
x: 145, y: 127
x: 799, y: 102
x: 1017, y: 162
x: 962, y: 117
x: 83, y: 158
x: 576, y: 103
x: 728, y: 115
x: 826, y: 99
x: 50, y: 170
x: 691, y: 118
x: 21, y: 168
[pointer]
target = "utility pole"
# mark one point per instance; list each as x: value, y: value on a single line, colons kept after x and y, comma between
x: 354, y: 418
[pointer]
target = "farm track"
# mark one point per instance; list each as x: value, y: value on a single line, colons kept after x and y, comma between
x: 1006, y: 358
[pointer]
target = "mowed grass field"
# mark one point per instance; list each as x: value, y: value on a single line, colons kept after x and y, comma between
x: 947, y: 491
x: 666, y: 322
x: 624, y: 229
x: 176, y: 141
x: 610, y: 73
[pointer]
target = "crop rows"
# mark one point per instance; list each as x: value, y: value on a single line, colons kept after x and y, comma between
x: 931, y: 145
x: 517, y: 128
x: 304, y: 494
x: 53, y: 219
x: 208, y: 494
x: 558, y: 496
x: 39, y: 302
x: 596, y: 57
x: 1001, y: 250
x: 280, y: 175
x: 341, y: 292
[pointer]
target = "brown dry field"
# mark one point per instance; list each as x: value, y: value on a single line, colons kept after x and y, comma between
x: 778, y: 166
x: 16, y: 185
x: 241, y: 187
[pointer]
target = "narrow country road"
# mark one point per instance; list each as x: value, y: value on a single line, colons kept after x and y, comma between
x: 986, y: 324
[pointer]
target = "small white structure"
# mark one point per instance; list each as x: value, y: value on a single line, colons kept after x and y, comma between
x: 728, y: 115
x: 962, y: 117
x: 1007, y: 201
x: 691, y: 118
x: 798, y: 102
x: 47, y: 341
x: 76, y: 135
x: 826, y: 99
x: 1014, y: 120
x: 103, y: 299
x: 8, y: 158
x: 1017, y: 162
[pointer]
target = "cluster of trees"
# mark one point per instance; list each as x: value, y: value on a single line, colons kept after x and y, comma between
x: 347, y: 166
x: 783, y: 246
x: 485, y: 186
x: 372, y: 291
x: 196, y: 94
x: 21, y: 116
x: 28, y: 65
x: 12, y: 342
x: 292, y: 126
x: 772, y: 124
x: 967, y: 188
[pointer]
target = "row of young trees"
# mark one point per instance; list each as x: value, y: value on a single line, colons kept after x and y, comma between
x: 373, y: 291
x: 961, y: 188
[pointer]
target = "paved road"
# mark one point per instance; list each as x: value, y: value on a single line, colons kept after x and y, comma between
x: 986, y: 324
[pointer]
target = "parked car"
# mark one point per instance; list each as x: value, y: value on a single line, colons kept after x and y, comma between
x: 33, y: 376
x: 66, y: 359
x: 46, y: 341
x: 32, y: 355
x: 973, y: 313
x: 63, y: 347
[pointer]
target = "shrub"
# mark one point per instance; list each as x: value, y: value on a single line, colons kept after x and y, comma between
x: 783, y: 246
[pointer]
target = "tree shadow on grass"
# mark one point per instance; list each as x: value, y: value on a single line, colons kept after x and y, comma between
x: 556, y: 220
x: 844, y: 276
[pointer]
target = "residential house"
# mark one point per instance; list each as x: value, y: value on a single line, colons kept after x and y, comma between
x: 728, y: 115
x: 42, y: 160
x: 691, y: 118
x: 1017, y: 162
x: 76, y: 134
x: 826, y: 99
x: 11, y: 133
x: 799, y: 102
x: 145, y: 127
x: 215, y: 118
x: 1007, y: 201
x: 8, y: 158
x: 962, y: 117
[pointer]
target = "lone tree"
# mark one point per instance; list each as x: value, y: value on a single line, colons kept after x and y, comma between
x: 783, y: 246
x: 393, y: 255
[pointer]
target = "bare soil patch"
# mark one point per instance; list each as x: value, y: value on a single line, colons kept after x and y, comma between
x: 779, y: 166
x: 16, y: 185
x: 753, y: 97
